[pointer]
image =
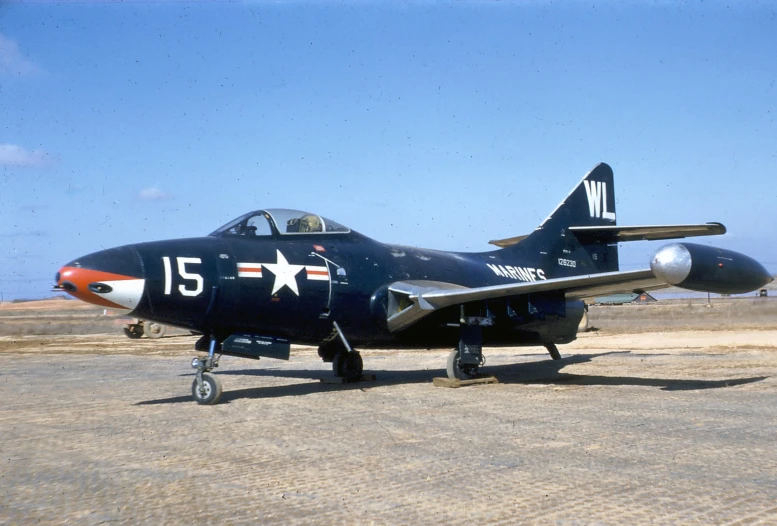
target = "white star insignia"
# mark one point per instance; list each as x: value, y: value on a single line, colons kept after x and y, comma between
x: 285, y: 274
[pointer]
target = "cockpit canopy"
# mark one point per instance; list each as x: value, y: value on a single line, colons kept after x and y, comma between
x: 280, y: 220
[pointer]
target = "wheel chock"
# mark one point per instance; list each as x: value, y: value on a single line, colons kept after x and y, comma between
x: 455, y: 383
x: 337, y: 381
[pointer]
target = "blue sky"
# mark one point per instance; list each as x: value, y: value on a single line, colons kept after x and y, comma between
x: 435, y: 124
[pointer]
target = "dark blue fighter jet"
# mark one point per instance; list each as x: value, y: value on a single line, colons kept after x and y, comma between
x: 275, y: 277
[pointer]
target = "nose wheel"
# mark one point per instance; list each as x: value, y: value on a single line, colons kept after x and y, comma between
x: 207, y: 390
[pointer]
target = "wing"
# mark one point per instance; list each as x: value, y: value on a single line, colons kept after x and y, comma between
x: 409, y: 301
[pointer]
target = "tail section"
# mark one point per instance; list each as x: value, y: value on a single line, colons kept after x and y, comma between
x: 590, y: 204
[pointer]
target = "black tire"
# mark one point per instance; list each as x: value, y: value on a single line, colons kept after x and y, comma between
x: 338, y: 364
x: 348, y: 365
x: 133, y: 331
x: 457, y: 371
x: 154, y: 330
x: 212, y: 386
x: 354, y: 366
x: 328, y: 350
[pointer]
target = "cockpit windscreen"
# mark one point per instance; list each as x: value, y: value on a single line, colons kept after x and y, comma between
x: 287, y: 222
x: 298, y: 222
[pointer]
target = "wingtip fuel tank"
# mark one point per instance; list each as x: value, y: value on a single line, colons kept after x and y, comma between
x: 708, y: 269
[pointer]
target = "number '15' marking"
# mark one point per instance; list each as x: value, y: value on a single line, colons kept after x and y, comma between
x: 181, y: 261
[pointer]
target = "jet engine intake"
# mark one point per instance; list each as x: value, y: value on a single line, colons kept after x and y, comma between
x: 708, y: 269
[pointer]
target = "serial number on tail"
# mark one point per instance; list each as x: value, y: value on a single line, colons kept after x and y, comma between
x: 519, y: 273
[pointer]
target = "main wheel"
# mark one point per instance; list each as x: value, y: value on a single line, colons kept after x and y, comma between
x: 338, y: 364
x: 354, y: 366
x: 133, y: 331
x: 348, y: 365
x: 154, y: 330
x: 328, y: 350
x: 211, y: 385
x: 458, y: 371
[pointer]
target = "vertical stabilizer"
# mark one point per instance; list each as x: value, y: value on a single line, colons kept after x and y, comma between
x: 590, y: 203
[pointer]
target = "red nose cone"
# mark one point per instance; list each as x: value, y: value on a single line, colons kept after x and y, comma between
x: 110, y: 278
x: 102, y: 288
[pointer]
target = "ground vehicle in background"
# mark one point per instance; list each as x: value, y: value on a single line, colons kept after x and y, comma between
x: 135, y: 328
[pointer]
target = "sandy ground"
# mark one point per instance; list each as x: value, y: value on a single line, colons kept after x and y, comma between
x: 633, y: 425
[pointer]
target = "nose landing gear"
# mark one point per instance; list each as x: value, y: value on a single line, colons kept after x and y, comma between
x: 206, y: 388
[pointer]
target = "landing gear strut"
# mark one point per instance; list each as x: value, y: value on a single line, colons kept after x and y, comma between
x: 553, y: 350
x: 464, y: 361
x: 346, y: 362
x: 206, y: 388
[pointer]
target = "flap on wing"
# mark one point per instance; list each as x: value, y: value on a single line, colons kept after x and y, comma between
x: 409, y: 301
x: 574, y: 287
x: 616, y: 234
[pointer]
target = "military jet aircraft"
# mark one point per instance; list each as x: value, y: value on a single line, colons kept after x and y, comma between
x: 274, y: 277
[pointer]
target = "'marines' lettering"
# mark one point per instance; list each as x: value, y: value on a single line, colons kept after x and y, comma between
x: 519, y: 273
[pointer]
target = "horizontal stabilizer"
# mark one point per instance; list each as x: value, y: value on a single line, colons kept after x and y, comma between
x: 619, y: 234
x: 508, y: 242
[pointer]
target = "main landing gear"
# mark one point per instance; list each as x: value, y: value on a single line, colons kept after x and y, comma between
x: 206, y: 387
x: 464, y: 361
x: 346, y: 362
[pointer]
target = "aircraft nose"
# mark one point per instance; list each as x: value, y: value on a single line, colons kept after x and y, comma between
x: 111, y: 278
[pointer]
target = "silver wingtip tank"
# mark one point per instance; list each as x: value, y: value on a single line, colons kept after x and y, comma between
x: 708, y: 269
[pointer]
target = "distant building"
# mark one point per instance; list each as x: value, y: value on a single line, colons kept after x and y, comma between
x: 622, y: 299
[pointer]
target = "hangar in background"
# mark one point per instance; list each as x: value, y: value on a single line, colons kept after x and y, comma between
x: 622, y: 299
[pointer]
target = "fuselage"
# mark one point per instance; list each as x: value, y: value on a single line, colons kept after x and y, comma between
x: 295, y: 287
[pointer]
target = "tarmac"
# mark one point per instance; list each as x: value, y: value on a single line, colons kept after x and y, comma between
x: 645, y: 429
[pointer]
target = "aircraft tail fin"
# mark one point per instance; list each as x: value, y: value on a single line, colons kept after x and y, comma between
x: 590, y: 204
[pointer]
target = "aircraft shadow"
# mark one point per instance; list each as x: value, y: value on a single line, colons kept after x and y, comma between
x: 543, y: 372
